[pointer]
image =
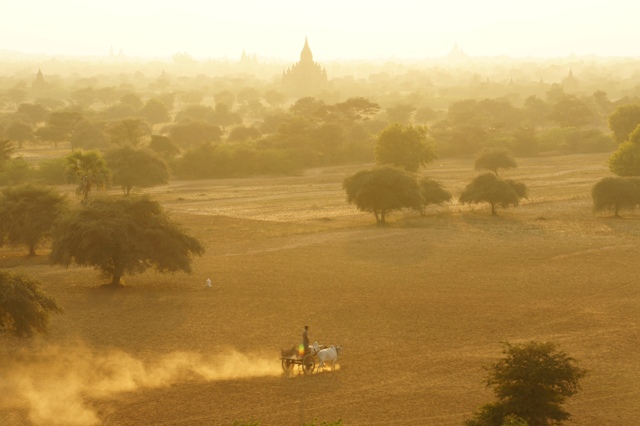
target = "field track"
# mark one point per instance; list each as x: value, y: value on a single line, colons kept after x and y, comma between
x: 419, y: 307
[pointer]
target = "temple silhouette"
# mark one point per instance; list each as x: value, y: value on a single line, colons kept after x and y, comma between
x: 39, y: 83
x: 306, y: 76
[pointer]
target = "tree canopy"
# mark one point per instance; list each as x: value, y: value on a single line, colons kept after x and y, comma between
x: 432, y: 192
x: 495, y: 158
x: 24, y: 308
x: 531, y: 382
x: 383, y: 189
x: 623, y: 120
x: 129, y: 131
x: 488, y: 188
x: 626, y: 160
x: 27, y: 213
x: 123, y: 236
x: 155, y: 112
x: 404, y: 146
x: 136, y: 167
x: 616, y: 193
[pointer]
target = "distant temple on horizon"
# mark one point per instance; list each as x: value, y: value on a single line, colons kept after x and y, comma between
x: 456, y: 55
x: 39, y: 83
x: 305, y: 76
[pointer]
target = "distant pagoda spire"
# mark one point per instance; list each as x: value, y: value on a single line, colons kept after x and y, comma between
x: 39, y: 83
x: 306, y: 55
x: 306, y: 76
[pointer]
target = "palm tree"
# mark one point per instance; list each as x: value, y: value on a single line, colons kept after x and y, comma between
x: 87, y: 169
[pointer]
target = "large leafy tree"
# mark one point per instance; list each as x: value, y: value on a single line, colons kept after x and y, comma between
x: 88, y: 135
x: 24, y: 308
x: 623, y: 120
x: 354, y: 109
x: 488, y: 188
x: 383, y: 189
x: 59, y: 126
x: 136, y: 167
x: 88, y: 170
x: 189, y: 133
x: 626, y: 160
x: 495, y: 158
x: 27, y: 213
x: 571, y: 111
x: 531, y: 383
x: 155, y: 112
x: 404, y: 146
x: 616, y: 193
x: 36, y: 112
x: 18, y: 131
x: 163, y: 146
x: 123, y: 236
x: 129, y: 131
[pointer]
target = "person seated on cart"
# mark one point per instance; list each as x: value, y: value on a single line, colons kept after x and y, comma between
x: 305, y: 340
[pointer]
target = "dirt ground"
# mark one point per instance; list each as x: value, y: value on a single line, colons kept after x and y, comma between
x: 419, y: 307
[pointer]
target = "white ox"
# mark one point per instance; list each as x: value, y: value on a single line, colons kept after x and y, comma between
x: 329, y: 354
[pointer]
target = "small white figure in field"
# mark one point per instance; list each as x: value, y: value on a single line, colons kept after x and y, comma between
x: 208, y: 284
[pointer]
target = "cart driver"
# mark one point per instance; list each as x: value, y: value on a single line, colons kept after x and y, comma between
x: 305, y: 339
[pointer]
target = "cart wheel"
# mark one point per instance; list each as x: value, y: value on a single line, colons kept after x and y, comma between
x: 287, y: 365
x: 308, y: 364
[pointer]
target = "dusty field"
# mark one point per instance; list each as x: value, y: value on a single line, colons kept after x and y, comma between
x: 419, y: 307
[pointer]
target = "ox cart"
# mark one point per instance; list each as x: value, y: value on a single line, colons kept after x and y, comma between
x: 295, y: 356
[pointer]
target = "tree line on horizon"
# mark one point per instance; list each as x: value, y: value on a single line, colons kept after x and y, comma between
x: 207, y: 127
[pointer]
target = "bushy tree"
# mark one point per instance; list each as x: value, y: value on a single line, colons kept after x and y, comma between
x: 616, y: 193
x: 192, y: 133
x: 571, y: 111
x: 356, y: 109
x: 163, y: 146
x: 52, y: 171
x: 531, y: 382
x: 495, y: 158
x: 488, y: 188
x: 18, y: 131
x: 15, y: 171
x: 623, y: 120
x: 27, y: 213
x: 88, y: 170
x: 626, y: 160
x: 383, y: 189
x: 88, y: 135
x: 24, y: 308
x: 136, y: 167
x: 404, y: 146
x: 59, y: 126
x: 432, y: 193
x: 155, y: 112
x: 123, y: 236
x: 130, y: 131
x: 36, y: 112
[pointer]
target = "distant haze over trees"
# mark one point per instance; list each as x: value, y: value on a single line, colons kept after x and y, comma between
x: 251, y: 116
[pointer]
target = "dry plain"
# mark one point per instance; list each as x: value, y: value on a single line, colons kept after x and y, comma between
x: 419, y: 307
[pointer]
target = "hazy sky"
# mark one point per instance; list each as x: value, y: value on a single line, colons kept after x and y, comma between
x: 337, y: 29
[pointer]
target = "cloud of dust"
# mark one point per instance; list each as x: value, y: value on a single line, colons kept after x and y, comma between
x: 54, y: 384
